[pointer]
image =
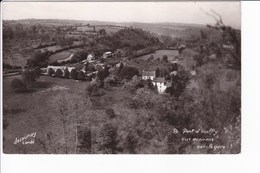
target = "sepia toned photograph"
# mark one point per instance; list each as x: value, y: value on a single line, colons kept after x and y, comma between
x: 121, y: 77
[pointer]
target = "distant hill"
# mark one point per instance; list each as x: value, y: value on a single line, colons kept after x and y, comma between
x: 165, y: 28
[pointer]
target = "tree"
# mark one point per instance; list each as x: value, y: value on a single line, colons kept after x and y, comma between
x: 157, y: 72
x: 58, y: 73
x: 81, y: 75
x: 66, y: 73
x: 73, y: 74
x: 102, y: 74
x: 165, y: 58
x: 18, y: 85
x: 128, y: 72
x: 38, y: 58
x: 174, y: 67
x: 180, y: 49
x: 102, y: 32
x: 28, y: 76
x: 37, y: 72
x: 50, y: 72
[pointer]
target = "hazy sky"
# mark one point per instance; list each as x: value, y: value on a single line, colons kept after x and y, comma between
x: 181, y: 12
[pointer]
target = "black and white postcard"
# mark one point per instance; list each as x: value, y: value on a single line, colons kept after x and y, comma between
x: 121, y: 77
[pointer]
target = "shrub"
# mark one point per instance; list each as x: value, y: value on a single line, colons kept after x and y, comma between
x: 58, y: 73
x: 81, y: 75
x: 50, y: 72
x: 73, y: 74
x: 18, y: 85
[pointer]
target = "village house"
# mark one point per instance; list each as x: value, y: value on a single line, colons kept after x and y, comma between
x: 62, y: 68
x: 161, y: 84
x: 148, y: 75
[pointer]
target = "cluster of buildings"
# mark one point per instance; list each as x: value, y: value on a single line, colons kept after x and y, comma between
x: 160, y: 82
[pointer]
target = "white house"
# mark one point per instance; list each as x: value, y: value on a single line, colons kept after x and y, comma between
x: 161, y: 84
x: 148, y: 75
x: 62, y: 68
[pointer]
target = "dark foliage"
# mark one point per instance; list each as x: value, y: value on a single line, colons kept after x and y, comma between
x: 8, y: 66
x: 51, y: 72
x: 85, y: 140
x: 132, y: 38
x: 81, y: 75
x: 165, y: 58
x: 37, y: 72
x: 58, y: 73
x: 38, y: 59
x: 128, y: 72
x: 66, y: 74
x: 18, y: 85
x: 74, y: 74
x: 29, y: 76
x: 107, y: 139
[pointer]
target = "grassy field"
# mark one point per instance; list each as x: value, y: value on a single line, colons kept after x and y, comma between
x: 62, y: 55
x: 16, y: 52
x: 35, y: 111
x: 159, y: 54
x: 185, y: 59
